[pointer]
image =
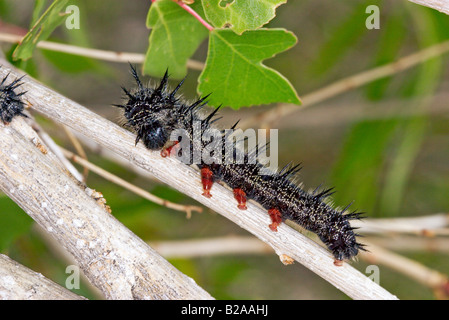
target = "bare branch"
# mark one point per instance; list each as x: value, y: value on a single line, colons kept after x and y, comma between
x: 413, y: 269
x: 114, y: 56
x: 139, y: 191
x: 426, y: 225
x: 378, y: 255
x: 286, y: 242
x: 440, y: 5
x: 407, y: 243
x: 211, y: 247
x: 79, y: 149
x: 348, y: 83
x: 17, y: 282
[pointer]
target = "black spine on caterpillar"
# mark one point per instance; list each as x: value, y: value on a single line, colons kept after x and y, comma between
x: 155, y: 113
x: 11, y: 104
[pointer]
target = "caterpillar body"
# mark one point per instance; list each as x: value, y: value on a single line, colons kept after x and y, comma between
x: 11, y: 104
x: 154, y: 114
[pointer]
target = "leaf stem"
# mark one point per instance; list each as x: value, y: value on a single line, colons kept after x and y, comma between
x: 193, y: 13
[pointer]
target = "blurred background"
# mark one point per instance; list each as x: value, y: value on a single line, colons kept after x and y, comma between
x: 384, y: 145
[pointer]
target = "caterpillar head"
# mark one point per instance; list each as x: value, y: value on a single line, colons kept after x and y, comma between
x: 341, y: 239
x: 147, y: 112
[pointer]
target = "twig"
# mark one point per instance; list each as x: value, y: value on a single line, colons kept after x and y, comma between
x: 440, y: 5
x: 285, y: 242
x: 50, y: 143
x: 407, y: 243
x: 108, y: 154
x: 348, y: 83
x: 79, y: 148
x: 415, y: 270
x: 114, y: 56
x: 234, y: 245
x: 426, y: 225
x: 17, y: 282
x: 139, y: 191
x: 211, y: 247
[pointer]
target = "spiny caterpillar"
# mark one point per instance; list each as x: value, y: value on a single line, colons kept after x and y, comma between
x: 155, y: 114
x: 10, y: 103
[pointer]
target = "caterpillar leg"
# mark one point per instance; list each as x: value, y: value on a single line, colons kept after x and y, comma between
x: 167, y: 151
x: 240, y: 196
x: 338, y: 263
x: 207, y: 179
x: 276, y: 219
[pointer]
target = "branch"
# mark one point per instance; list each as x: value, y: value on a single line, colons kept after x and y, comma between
x: 234, y: 245
x: 20, y: 283
x: 211, y: 247
x: 426, y: 225
x: 408, y: 243
x: 415, y: 270
x: 348, y: 83
x: 114, y: 259
x: 114, y: 56
x: 285, y: 242
x: 440, y: 5
x: 125, y: 184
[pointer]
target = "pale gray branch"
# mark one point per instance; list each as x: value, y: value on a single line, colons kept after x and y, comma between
x: 210, y: 247
x: 286, y: 242
x: 17, y: 282
x: 436, y: 223
x: 440, y: 5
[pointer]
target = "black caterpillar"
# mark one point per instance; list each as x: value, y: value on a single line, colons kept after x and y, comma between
x: 155, y: 113
x: 11, y: 104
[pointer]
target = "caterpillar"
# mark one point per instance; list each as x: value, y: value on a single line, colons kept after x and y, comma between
x: 158, y: 114
x: 11, y: 104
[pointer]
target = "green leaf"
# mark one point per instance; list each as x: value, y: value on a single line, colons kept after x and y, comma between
x: 234, y: 72
x: 174, y: 37
x: 240, y: 15
x: 39, y: 6
x: 45, y: 25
